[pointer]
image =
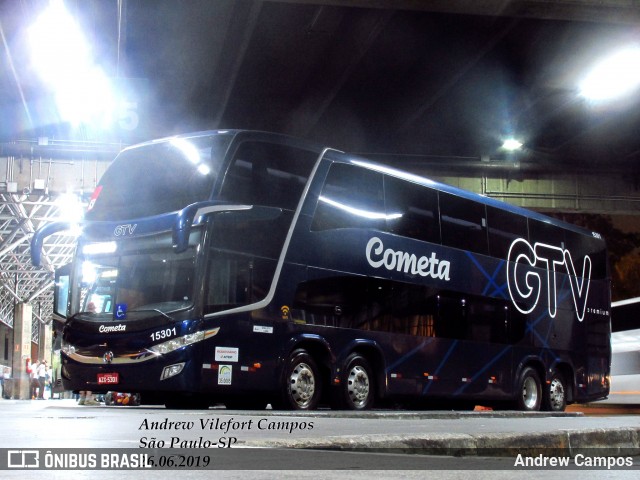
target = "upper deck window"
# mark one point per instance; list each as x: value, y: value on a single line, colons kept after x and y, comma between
x: 504, y: 228
x: 352, y: 197
x: 267, y: 174
x: 463, y: 223
x: 416, y: 209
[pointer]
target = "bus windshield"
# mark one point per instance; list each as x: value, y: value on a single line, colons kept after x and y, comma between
x: 134, y: 284
x: 151, y: 179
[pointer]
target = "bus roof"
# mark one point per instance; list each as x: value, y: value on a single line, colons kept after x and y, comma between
x: 366, y: 163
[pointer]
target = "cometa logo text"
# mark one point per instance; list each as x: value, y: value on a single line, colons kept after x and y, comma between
x: 406, y: 262
x: 112, y: 328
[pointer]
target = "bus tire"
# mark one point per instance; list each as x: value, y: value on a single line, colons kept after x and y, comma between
x: 555, y: 398
x: 529, y: 391
x: 356, y: 390
x: 302, y: 386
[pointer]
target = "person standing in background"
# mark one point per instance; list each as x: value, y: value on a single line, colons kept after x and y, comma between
x: 33, y: 381
x: 42, y: 378
x: 86, y: 398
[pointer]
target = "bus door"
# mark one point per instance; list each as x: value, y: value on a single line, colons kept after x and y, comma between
x: 61, y: 293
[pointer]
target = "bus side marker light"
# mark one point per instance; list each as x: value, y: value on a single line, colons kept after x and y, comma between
x: 253, y: 368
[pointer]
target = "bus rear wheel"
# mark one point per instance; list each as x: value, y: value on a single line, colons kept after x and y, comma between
x: 529, y: 393
x: 302, y: 383
x: 356, y: 391
x: 555, y: 399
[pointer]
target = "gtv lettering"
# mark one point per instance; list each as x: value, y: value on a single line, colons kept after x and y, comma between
x: 526, y: 284
x: 125, y: 229
x: 405, y: 262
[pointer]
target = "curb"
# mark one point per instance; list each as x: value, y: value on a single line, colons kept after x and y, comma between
x: 611, y: 442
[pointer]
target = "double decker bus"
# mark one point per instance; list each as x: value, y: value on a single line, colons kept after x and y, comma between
x: 249, y: 268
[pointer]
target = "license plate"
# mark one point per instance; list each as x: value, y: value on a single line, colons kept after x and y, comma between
x: 108, y: 378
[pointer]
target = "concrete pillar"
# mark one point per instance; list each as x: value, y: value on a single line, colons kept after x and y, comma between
x: 21, y: 350
x: 45, y: 345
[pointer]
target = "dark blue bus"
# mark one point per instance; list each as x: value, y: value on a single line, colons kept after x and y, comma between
x: 249, y: 268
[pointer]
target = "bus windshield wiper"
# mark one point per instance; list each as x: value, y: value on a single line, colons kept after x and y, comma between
x: 156, y: 310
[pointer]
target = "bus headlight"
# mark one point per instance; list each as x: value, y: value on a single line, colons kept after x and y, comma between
x: 176, y: 343
x: 68, y: 348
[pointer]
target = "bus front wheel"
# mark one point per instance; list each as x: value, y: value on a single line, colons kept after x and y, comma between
x: 529, y: 393
x: 356, y: 390
x: 556, y: 394
x: 302, y: 382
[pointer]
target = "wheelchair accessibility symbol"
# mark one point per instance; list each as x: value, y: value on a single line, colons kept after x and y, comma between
x: 121, y: 311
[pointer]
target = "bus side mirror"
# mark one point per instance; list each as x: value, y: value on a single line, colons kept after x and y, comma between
x: 192, y: 214
x: 38, y: 239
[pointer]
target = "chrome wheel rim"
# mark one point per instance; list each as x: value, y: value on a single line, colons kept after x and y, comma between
x: 556, y: 394
x: 530, y: 393
x: 302, y: 385
x: 358, y: 386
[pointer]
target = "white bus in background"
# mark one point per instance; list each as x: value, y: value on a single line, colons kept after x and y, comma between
x: 625, y: 344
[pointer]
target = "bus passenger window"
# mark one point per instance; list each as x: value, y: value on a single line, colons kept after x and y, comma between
x: 352, y: 197
x: 504, y: 227
x: 488, y: 320
x: 517, y: 326
x: 332, y: 301
x: 580, y: 245
x: 451, y: 317
x: 269, y: 174
x: 541, y: 232
x: 236, y: 280
x: 463, y: 223
x: 412, y: 210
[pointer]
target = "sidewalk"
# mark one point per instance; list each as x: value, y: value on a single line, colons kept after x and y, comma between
x: 612, y: 440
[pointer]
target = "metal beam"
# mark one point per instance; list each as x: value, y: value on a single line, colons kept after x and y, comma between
x: 612, y: 11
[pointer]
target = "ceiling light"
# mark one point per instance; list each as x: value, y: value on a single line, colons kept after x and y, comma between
x: 70, y: 207
x: 615, y: 76
x: 512, y: 144
x: 62, y: 56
